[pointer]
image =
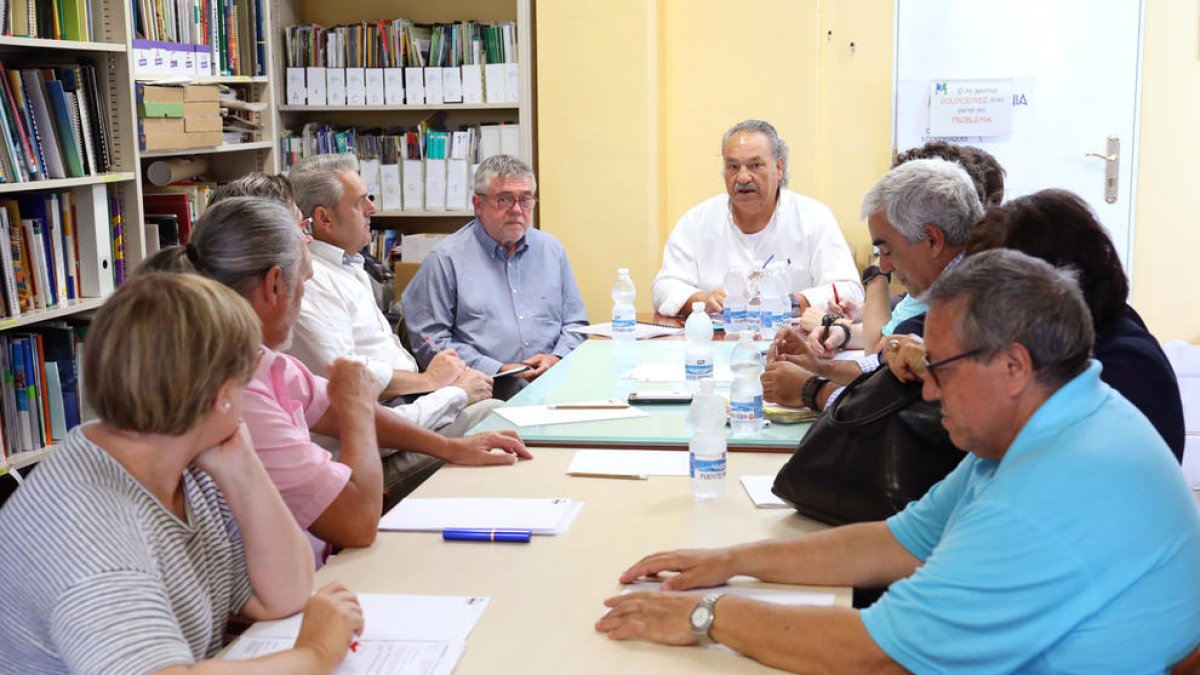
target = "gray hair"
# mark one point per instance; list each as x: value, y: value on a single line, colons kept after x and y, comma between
x: 779, y: 148
x: 257, y: 184
x: 238, y: 239
x: 315, y: 180
x: 501, y: 166
x: 1010, y: 297
x: 926, y: 192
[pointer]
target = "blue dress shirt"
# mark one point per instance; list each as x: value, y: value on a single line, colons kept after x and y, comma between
x: 492, y: 309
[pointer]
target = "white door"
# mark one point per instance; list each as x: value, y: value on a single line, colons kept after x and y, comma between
x: 1067, y: 72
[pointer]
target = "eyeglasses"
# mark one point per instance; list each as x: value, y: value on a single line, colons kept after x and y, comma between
x: 931, y: 368
x: 505, y: 202
x: 306, y: 226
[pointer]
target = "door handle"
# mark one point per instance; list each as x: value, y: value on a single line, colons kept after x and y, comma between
x: 1112, y: 160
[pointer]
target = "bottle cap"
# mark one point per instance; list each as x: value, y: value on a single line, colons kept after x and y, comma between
x: 622, y: 270
x: 697, y: 306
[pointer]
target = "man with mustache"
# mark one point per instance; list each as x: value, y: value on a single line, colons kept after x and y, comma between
x: 501, y: 294
x: 757, y: 219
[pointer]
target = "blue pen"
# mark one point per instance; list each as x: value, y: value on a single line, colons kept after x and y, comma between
x: 470, y: 534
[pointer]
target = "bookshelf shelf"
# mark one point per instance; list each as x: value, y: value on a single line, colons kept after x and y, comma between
x: 389, y: 108
x: 423, y: 214
x: 63, y: 183
x: 73, y: 307
x: 20, y: 460
x: 11, y: 43
x: 232, y: 147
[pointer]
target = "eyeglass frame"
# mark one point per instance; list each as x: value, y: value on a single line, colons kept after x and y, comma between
x: 499, y: 201
x: 930, y: 367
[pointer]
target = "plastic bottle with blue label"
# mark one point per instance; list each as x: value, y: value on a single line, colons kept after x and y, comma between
x: 734, y: 313
x: 698, y: 356
x: 624, y: 316
x: 707, y: 446
x: 774, y: 294
x: 752, y: 319
x: 746, y: 393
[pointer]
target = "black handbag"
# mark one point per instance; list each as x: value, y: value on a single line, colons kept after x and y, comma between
x: 878, y: 447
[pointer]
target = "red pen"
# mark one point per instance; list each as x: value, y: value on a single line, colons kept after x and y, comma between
x: 354, y: 646
x: 836, y: 299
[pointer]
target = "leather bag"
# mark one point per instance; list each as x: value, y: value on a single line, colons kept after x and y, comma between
x: 878, y: 447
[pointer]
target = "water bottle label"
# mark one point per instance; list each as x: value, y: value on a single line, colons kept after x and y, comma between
x: 768, y: 319
x: 698, y: 370
x: 623, y: 324
x: 708, y: 469
x: 746, y: 411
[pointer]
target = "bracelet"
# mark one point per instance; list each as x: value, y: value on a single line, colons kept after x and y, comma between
x: 843, y: 327
x: 808, y: 395
x: 873, y: 271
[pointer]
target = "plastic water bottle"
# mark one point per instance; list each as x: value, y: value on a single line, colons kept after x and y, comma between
x: 698, y: 357
x: 624, y: 316
x: 753, y: 317
x: 734, y: 315
x: 746, y: 393
x: 774, y: 292
x: 706, y: 447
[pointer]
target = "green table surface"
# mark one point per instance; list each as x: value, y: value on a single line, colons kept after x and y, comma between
x: 593, y: 372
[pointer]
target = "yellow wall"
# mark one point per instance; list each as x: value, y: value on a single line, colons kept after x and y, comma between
x: 633, y: 96
x: 1166, y: 235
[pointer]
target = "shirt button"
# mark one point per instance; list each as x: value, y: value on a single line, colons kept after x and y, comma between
x: 514, y: 290
x: 521, y: 317
x: 526, y: 344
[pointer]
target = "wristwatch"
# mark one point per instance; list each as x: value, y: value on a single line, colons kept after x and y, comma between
x: 873, y: 271
x: 703, y: 614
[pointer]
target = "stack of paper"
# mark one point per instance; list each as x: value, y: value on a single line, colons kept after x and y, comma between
x: 629, y: 463
x: 533, y: 415
x: 641, y: 331
x: 758, y: 488
x: 403, y: 634
x: 540, y: 516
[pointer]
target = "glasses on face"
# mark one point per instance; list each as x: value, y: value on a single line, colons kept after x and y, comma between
x: 506, y: 201
x: 931, y: 368
x: 306, y: 226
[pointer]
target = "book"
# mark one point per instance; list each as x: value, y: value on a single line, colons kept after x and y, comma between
x: 173, y: 203
x: 35, y: 87
x: 12, y: 302
x: 42, y: 295
x: 68, y: 141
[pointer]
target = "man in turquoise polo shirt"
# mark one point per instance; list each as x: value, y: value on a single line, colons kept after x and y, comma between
x: 1061, y: 543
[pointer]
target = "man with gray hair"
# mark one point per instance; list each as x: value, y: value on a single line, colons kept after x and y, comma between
x: 339, y: 316
x: 1058, y: 544
x: 758, y: 219
x: 919, y: 216
x: 500, y: 294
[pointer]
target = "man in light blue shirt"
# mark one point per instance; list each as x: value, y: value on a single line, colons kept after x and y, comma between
x: 1061, y: 543
x: 500, y: 293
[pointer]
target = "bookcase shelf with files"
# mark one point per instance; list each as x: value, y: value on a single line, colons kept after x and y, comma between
x: 393, y: 81
x: 68, y: 188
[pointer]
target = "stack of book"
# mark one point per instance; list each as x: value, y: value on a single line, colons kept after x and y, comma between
x: 49, y: 19
x: 199, y: 37
x: 53, y: 123
x: 39, y: 393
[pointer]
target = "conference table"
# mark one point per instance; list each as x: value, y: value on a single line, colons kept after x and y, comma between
x: 599, y: 369
x: 545, y: 596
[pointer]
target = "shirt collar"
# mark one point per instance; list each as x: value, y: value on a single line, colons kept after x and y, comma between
x: 1068, y: 405
x: 496, y: 249
x: 333, y: 254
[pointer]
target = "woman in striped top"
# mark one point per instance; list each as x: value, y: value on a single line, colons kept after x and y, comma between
x: 132, y: 544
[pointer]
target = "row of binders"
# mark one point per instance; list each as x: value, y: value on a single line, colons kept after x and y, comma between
x: 52, y: 123
x: 411, y: 170
x: 48, y: 19
x: 397, y: 62
x: 39, y: 394
x: 58, y: 247
x: 199, y: 37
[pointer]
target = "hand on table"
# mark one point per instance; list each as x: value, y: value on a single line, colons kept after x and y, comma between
x: 332, y: 618
x: 481, y: 449
x: 783, y: 383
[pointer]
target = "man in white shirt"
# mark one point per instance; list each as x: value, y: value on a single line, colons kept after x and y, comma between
x: 758, y: 218
x: 339, y: 316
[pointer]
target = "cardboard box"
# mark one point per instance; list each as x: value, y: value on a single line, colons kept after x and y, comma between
x: 202, y: 123
x: 153, y: 109
x: 201, y: 92
x: 160, y: 93
x: 201, y: 109
x: 180, y: 141
x: 404, y: 274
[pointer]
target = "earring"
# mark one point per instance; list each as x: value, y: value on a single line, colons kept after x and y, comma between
x: 226, y: 405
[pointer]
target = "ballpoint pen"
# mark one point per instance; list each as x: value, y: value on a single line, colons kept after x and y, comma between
x: 836, y: 299
x: 486, y: 534
x: 594, y: 405
x: 431, y: 344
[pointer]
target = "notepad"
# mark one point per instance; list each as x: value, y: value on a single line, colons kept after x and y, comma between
x: 540, y: 516
x: 758, y: 488
x: 641, y: 331
x: 534, y: 415
x: 402, y: 634
x: 775, y: 596
x: 629, y: 463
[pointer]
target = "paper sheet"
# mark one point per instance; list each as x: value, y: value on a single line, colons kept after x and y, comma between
x: 641, y: 331
x: 533, y: 415
x: 541, y: 516
x: 758, y: 488
x: 627, y: 463
x: 673, y: 372
x: 776, y: 596
x: 403, y: 635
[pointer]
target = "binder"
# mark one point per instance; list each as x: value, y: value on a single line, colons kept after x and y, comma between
x: 356, y: 87
x: 452, y: 91
x: 390, y: 188
x: 510, y: 139
x: 495, y: 83
x: 414, y: 86
x: 512, y: 78
x: 375, y: 86
x: 472, y: 84
x: 42, y: 294
x: 41, y: 111
x: 489, y: 141
x: 66, y: 130
x: 414, y: 185
x: 335, y: 86
x: 369, y: 169
x: 297, y: 90
x: 315, y: 77
x: 95, y: 242
x: 433, y: 86
x: 393, y: 86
